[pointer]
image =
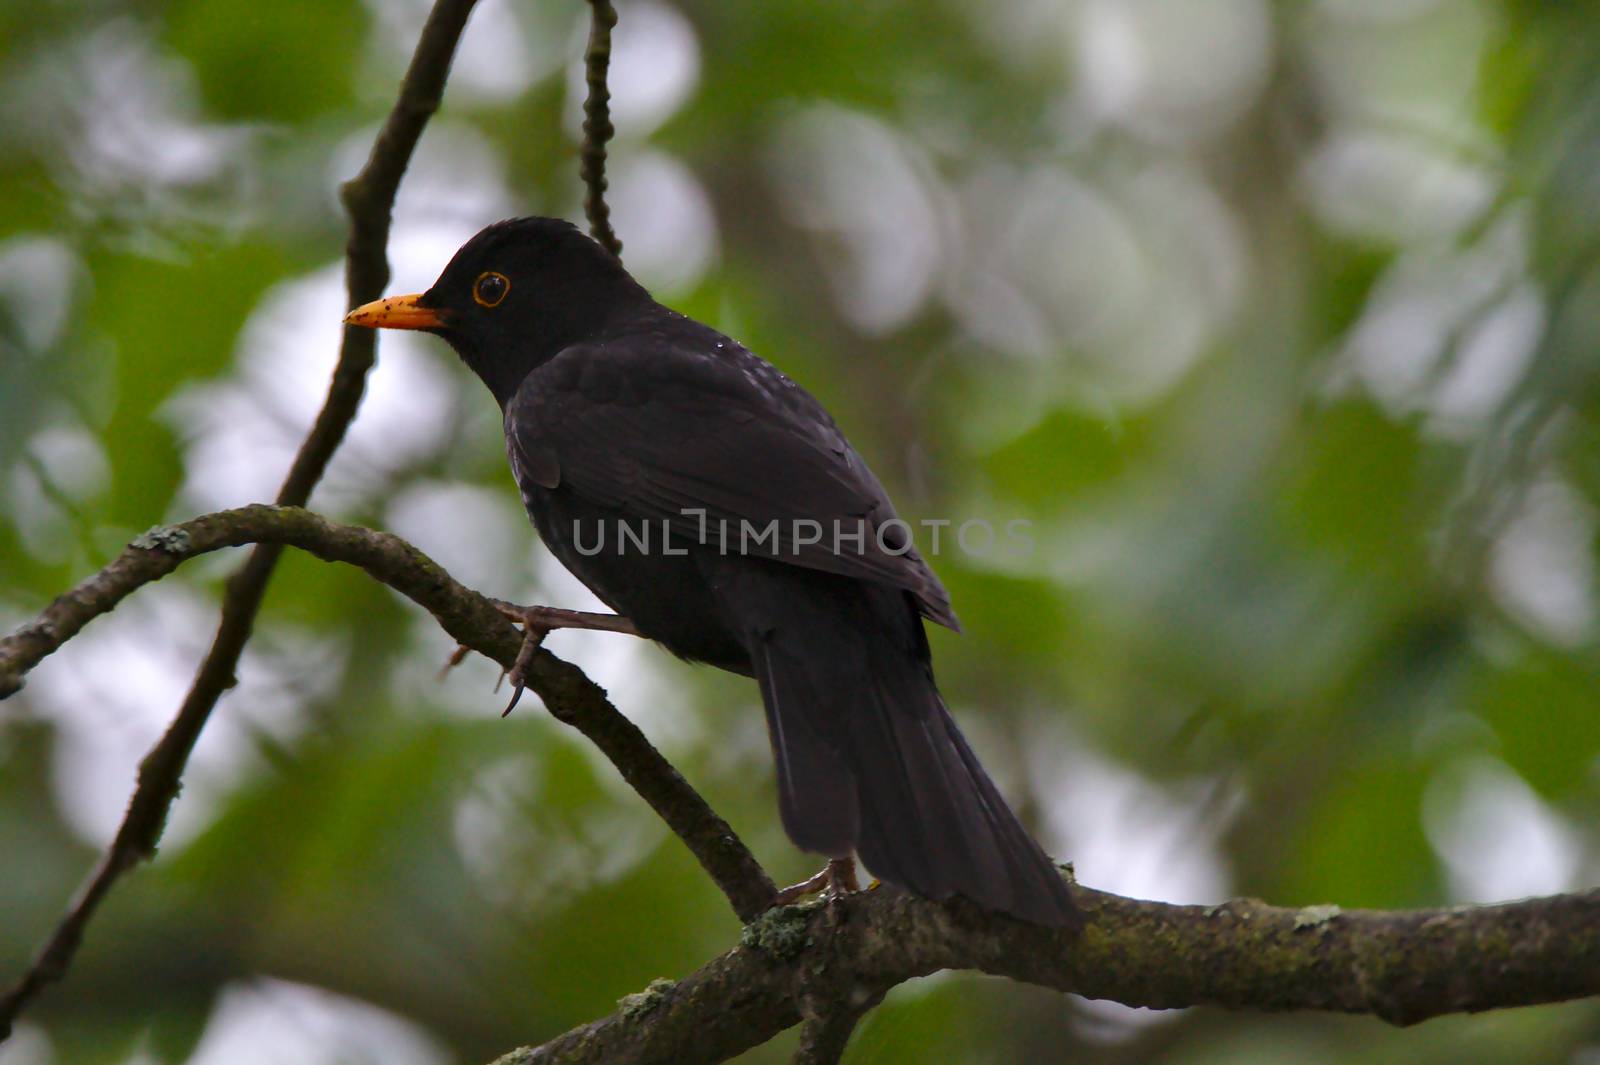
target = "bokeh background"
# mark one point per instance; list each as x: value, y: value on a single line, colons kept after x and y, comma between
x: 1279, y: 322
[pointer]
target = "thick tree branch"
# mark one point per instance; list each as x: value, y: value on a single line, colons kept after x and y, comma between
x: 368, y: 199
x: 597, y: 128
x: 1401, y: 966
x: 471, y: 619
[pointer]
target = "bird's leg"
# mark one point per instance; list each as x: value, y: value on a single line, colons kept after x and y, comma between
x: 836, y: 880
x: 538, y: 622
x: 842, y: 877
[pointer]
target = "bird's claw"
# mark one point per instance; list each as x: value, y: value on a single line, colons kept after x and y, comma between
x: 795, y: 892
x: 836, y: 880
x: 535, y: 622
x: 538, y: 622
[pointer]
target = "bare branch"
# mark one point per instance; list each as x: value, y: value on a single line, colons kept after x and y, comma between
x: 473, y: 620
x: 368, y: 199
x: 597, y: 128
x: 1401, y: 966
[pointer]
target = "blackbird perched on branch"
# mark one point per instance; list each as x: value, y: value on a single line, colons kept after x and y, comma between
x: 715, y: 505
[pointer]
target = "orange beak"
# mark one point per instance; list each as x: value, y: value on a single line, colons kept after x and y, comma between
x: 395, y: 312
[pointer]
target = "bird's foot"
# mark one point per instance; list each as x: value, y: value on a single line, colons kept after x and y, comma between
x: 538, y: 622
x: 836, y: 880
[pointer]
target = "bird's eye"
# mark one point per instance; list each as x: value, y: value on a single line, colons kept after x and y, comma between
x: 490, y: 288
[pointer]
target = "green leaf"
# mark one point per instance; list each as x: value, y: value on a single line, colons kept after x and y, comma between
x: 285, y: 61
x: 1544, y: 708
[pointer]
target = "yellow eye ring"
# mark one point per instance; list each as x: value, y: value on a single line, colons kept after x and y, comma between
x: 490, y: 288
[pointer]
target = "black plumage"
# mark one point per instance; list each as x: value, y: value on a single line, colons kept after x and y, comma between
x: 623, y: 414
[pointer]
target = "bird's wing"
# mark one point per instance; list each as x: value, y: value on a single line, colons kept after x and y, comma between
x: 721, y: 446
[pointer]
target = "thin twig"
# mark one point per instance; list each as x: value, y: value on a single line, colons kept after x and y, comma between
x: 473, y: 620
x: 369, y: 199
x: 597, y: 128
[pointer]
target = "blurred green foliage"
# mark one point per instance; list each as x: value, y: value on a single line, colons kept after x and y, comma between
x: 1276, y: 323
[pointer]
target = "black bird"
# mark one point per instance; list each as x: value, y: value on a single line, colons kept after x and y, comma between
x: 775, y: 553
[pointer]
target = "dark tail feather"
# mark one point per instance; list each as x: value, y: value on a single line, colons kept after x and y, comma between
x: 968, y: 840
x: 816, y: 790
x: 870, y: 760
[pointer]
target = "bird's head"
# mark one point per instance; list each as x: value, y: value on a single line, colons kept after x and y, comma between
x: 513, y: 296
